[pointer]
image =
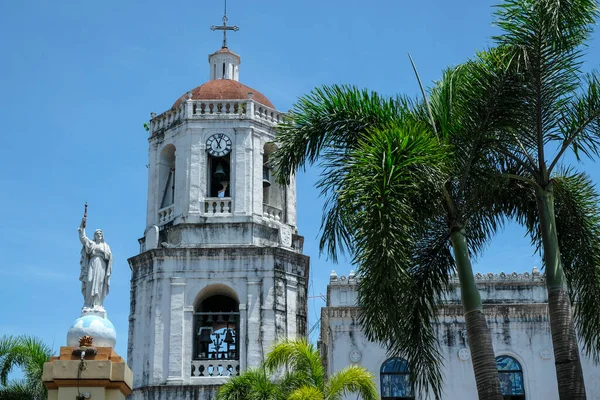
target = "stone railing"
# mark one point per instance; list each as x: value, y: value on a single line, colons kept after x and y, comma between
x: 217, y: 206
x: 273, y: 213
x: 534, y: 276
x: 214, y: 368
x: 267, y: 114
x: 167, y: 119
x: 166, y: 214
x: 221, y: 109
x: 352, y: 278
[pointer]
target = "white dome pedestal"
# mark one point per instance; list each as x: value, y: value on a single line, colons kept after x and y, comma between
x: 94, y: 323
x: 93, y: 372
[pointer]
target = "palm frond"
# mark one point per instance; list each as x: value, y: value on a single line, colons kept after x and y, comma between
x: 393, y: 185
x: 330, y: 118
x: 546, y: 39
x: 306, y: 393
x: 352, y: 379
x: 578, y: 226
x: 324, y: 126
x: 253, y: 384
x: 28, y: 353
x: 299, y: 356
x: 580, y: 122
x: 18, y: 390
x: 10, y: 356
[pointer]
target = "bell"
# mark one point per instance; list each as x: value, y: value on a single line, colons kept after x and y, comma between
x: 229, y: 337
x: 266, y: 178
x: 220, y: 319
x: 205, y: 336
x: 209, y: 321
x: 219, y: 174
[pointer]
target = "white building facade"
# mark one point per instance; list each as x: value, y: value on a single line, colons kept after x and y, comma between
x: 516, y: 309
x: 220, y: 275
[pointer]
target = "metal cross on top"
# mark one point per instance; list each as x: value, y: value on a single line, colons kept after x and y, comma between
x: 224, y: 28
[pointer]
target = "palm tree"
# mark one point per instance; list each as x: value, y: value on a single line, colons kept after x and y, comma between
x: 29, y: 354
x: 560, y: 111
x: 303, y: 377
x: 409, y: 192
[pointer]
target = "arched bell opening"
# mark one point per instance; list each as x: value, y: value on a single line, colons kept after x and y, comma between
x: 166, y: 176
x: 216, y: 327
x: 219, y: 177
x: 273, y: 192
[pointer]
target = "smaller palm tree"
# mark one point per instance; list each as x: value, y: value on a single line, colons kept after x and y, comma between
x: 301, y: 377
x: 29, y: 354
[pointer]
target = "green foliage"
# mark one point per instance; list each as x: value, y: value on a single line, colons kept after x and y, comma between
x: 578, y: 226
x: 559, y: 111
x: 396, y: 186
x: 29, y: 354
x: 302, y: 377
x: 392, y: 198
x: 577, y: 212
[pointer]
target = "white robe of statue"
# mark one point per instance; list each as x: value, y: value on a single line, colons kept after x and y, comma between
x: 96, y: 268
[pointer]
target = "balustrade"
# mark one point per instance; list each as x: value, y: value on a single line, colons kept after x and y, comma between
x: 215, y: 368
x: 217, y: 206
x: 166, y: 214
x: 220, y: 108
x: 273, y: 213
x: 214, y: 107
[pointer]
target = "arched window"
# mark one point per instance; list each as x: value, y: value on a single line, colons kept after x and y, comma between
x: 511, y: 378
x: 166, y: 176
x: 216, y: 327
x: 273, y: 192
x: 219, y: 177
x: 395, y: 382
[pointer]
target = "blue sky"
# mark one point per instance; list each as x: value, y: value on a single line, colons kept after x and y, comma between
x: 79, y: 79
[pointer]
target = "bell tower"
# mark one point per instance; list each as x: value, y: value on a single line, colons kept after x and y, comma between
x: 220, y: 275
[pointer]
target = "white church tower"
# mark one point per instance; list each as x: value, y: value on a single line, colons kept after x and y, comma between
x: 220, y: 275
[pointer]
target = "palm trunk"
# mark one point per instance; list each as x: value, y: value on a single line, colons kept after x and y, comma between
x: 478, y: 333
x: 566, y: 351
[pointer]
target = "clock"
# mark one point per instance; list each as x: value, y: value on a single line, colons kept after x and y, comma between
x: 218, y: 145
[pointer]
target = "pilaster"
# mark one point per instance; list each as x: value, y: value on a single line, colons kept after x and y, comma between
x: 257, y: 187
x: 243, y: 159
x: 291, y: 289
x: 176, y: 330
x: 243, y: 331
x: 254, y: 353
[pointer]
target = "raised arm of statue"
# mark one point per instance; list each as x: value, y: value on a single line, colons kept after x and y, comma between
x: 82, y: 237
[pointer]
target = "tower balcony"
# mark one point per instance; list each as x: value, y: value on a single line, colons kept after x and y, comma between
x: 215, y: 368
x: 214, y: 109
x: 217, y: 206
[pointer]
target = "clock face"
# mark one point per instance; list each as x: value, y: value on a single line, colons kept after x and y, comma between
x: 218, y: 145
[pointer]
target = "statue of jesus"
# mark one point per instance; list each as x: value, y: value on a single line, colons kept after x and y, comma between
x: 96, y: 267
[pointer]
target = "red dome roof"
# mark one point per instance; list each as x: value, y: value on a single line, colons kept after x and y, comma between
x: 224, y: 89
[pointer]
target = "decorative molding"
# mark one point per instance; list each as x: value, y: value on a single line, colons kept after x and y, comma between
x: 464, y: 354
x: 534, y: 276
x: 177, y: 281
x: 355, y: 356
x: 546, y: 353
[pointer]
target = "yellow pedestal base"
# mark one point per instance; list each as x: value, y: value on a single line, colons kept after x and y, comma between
x: 103, y: 376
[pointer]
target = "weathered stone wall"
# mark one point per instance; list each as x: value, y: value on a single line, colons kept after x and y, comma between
x: 516, y: 310
x: 201, y: 244
x: 270, y: 284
